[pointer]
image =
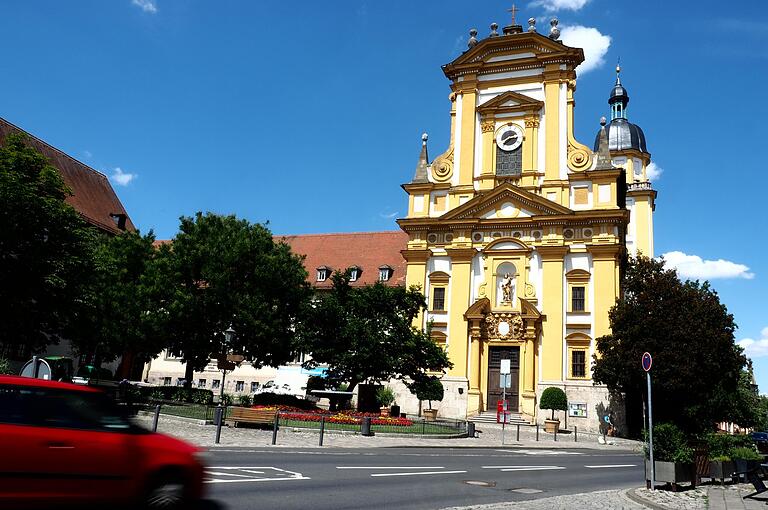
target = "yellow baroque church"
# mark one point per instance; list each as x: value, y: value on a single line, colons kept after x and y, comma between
x: 517, y: 232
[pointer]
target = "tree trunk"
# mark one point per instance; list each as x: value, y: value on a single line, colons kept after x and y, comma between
x: 189, y: 373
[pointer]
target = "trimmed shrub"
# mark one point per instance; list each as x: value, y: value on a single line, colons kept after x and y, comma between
x: 274, y: 399
x: 555, y: 399
x: 429, y: 389
x: 670, y: 444
x: 722, y: 445
x: 244, y: 400
x: 226, y: 399
x: 177, y: 394
x: 385, y: 397
x: 746, y: 453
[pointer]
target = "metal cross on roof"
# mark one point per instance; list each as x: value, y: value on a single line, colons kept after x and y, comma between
x: 513, y: 10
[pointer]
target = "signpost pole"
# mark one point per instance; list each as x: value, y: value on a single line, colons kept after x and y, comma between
x: 650, y: 432
x: 647, y: 362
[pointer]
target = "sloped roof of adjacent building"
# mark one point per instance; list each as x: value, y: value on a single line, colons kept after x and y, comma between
x: 367, y: 250
x: 92, y: 194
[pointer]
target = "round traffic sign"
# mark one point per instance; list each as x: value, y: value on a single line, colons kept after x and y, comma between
x: 647, y: 361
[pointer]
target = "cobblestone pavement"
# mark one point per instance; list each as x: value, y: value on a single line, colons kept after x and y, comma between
x: 491, y: 436
x: 601, y: 500
x: 730, y: 497
x: 694, y: 499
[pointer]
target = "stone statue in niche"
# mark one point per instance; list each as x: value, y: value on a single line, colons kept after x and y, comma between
x: 506, y: 288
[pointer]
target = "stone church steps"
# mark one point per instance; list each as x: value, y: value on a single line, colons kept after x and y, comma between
x: 490, y: 417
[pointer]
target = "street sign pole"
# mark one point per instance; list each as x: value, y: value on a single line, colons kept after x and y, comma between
x: 650, y: 432
x: 647, y: 362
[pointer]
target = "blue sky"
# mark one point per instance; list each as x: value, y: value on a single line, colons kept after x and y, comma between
x: 309, y: 115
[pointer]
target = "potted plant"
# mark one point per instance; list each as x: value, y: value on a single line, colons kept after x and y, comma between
x: 385, y: 397
x: 428, y: 388
x: 554, y: 399
x: 745, y: 459
x: 720, y: 447
x: 673, y: 458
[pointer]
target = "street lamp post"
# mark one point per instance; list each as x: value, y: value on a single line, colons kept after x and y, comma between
x: 229, y: 335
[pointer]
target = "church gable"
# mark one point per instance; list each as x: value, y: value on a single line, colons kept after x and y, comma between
x: 506, y: 201
x: 510, y: 102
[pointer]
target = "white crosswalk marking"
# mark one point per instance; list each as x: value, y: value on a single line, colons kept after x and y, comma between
x: 241, y: 474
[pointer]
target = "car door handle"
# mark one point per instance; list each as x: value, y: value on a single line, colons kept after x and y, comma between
x: 59, y: 446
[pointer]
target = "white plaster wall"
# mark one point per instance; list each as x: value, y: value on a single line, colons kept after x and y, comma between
x: 511, y: 74
x: 593, y: 396
x: 511, y: 57
x: 478, y: 275
x: 536, y: 277
x: 590, y: 198
x: 418, y: 203
x: 563, y: 128
x: 457, y: 141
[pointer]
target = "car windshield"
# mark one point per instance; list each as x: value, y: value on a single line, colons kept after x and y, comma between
x: 49, y: 407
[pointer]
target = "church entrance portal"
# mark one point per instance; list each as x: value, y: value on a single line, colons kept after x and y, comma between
x: 495, y: 355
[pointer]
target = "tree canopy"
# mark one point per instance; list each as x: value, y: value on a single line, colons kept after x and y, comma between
x: 367, y: 334
x: 121, y: 311
x: 689, y: 333
x: 226, y: 271
x: 45, y: 249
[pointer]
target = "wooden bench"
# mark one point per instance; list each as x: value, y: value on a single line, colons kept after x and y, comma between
x: 248, y: 415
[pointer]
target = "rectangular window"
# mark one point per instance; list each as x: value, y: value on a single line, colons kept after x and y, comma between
x: 438, y: 298
x: 581, y: 196
x: 166, y: 381
x: 239, y: 386
x: 353, y: 275
x: 254, y: 386
x: 384, y: 274
x: 201, y: 383
x: 578, y: 363
x: 215, y: 384
x: 438, y: 202
x: 322, y: 275
x: 577, y: 299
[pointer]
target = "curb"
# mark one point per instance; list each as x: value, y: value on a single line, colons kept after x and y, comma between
x: 172, y: 417
x: 631, y: 494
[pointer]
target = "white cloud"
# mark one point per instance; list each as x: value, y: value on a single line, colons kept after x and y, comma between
x: 146, y: 5
x: 388, y: 215
x: 692, y: 266
x: 556, y: 5
x: 87, y: 154
x: 594, y: 44
x: 654, y: 171
x: 756, y: 348
x: 122, y: 178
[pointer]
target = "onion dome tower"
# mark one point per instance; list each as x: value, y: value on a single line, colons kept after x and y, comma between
x: 622, y: 134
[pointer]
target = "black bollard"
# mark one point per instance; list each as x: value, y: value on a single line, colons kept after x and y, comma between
x: 555, y: 433
x: 365, y: 427
x: 219, y: 419
x: 322, y: 429
x: 575, y: 434
x: 156, y: 418
x: 537, y: 432
x: 275, y: 426
x: 470, y: 429
x: 518, y: 433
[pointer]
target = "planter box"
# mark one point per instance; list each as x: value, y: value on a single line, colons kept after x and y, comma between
x: 742, y: 466
x: 551, y: 426
x: 430, y: 414
x: 672, y: 472
x: 721, y: 469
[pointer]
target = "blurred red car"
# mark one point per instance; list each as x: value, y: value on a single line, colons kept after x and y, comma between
x: 63, y: 445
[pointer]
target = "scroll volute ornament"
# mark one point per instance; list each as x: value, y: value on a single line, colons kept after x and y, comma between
x: 442, y: 166
x: 579, y: 156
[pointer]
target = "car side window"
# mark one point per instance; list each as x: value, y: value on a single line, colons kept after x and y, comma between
x: 47, y: 407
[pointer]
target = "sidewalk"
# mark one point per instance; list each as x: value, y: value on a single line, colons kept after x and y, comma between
x: 489, y: 436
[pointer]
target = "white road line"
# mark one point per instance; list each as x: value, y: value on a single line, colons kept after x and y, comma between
x: 390, y: 467
x: 241, y: 480
x: 515, y: 466
x: 541, y: 452
x: 610, y: 466
x: 421, y: 473
x: 537, y: 468
x: 219, y: 473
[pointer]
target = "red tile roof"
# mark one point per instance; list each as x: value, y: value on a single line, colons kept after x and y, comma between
x: 366, y: 250
x: 92, y: 194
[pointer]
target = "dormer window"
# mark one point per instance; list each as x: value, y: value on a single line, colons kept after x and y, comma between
x: 385, y: 273
x: 354, y: 273
x: 323, y: 272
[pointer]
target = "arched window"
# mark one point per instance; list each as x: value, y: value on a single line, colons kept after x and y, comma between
x: 509, y: 163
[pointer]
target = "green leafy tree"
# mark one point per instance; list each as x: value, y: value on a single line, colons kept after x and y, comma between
x: 427, y: 387
x: 5, y: 367
x: 121, y: 313
x: 367, y: 334
x: 696, y: 364
x: 226, y: 271
x: 45, y: 249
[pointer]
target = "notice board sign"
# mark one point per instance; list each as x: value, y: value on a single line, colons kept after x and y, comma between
x: 577, y: 409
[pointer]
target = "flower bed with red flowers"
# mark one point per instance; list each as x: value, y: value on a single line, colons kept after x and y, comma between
x: 345, y: 417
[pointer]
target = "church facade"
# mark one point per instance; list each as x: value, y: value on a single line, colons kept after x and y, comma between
x: 517, y: 232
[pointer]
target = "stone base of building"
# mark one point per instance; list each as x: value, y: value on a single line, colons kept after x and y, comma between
x: 588, y: 407
x: 453, y: 405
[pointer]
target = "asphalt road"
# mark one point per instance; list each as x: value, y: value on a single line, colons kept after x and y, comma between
x: 408, y: 478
